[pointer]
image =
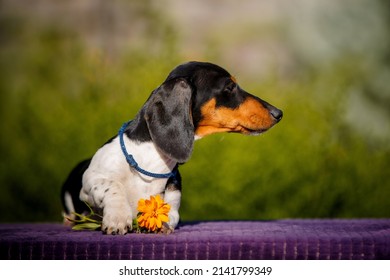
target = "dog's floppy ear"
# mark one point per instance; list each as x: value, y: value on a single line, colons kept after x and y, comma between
x: 168, y: 116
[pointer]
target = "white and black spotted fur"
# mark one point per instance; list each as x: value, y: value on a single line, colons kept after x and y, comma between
x: 196, y: 99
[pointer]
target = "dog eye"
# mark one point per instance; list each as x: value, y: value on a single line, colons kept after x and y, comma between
x: 230, y: 87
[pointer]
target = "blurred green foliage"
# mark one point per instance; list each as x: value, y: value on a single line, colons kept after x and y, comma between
x: 60, y: 100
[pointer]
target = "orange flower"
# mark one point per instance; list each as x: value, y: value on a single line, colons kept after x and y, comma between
x: 152, y: 213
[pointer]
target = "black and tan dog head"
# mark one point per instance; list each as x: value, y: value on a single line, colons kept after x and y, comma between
x: 198, y: 99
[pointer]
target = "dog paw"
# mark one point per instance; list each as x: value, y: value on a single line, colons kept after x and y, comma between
x: 117, y: 221
x: 166, y: 229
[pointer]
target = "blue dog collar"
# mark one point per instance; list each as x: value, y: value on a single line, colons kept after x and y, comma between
x: 131, y: 161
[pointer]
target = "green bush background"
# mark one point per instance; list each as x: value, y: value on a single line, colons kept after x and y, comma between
x: 61, y: 99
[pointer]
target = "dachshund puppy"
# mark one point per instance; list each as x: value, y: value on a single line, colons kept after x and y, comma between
x: 195, y: 100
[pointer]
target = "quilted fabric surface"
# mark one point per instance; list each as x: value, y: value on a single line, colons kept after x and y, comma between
x: 279, y: 239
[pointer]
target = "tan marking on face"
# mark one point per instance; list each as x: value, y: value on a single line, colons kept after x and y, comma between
x: 249, y: 117
x: 233, y: 79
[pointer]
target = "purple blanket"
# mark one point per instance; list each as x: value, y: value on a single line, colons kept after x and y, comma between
x: 280, y: 239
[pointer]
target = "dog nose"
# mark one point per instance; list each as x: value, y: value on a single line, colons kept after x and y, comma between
x: 276, y: 113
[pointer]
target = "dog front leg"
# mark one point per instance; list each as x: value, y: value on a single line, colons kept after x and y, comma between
x: 109, y: 196
x: 172, y: 196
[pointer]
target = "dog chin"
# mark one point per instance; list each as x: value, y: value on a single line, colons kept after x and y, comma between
x: 253, y: 132
x: 256, y: 133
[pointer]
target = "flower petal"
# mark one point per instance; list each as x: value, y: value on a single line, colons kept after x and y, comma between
x: 158, y: 223
x: 163, y: 218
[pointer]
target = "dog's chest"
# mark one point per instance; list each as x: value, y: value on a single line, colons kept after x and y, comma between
x: 109, y: 162
x: 137, y: 188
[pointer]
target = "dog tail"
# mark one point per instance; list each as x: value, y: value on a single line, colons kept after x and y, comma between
x: 70, y: 192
